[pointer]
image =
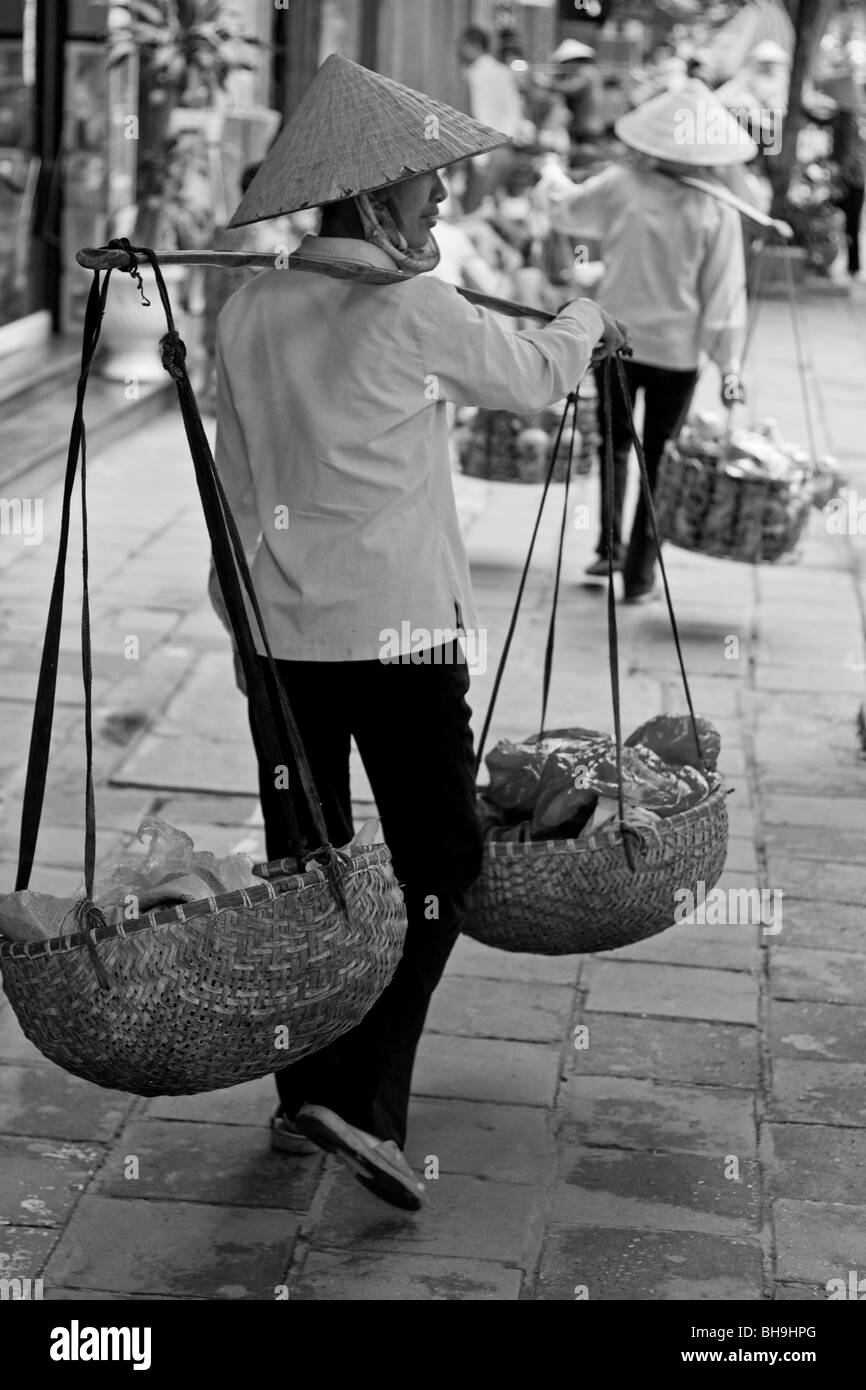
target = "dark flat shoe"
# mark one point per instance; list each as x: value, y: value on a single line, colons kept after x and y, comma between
x: 598, y: 568
x: 287, y: 1138
x: 644, y: 595
x: 377, y: 1164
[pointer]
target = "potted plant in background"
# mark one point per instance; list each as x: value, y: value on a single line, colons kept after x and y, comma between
x: 185, y: 52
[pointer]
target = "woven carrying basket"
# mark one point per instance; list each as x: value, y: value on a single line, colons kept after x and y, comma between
x: 560, y: 897
x: 700, y: 507
x: 208, y: 994
x: 489, y: 449
x: 201, y: 995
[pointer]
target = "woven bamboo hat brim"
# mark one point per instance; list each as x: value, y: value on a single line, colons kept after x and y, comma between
x: 355, y: 131
x: 688, y: 125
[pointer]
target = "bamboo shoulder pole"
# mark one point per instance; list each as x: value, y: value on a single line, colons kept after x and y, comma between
x: 115, y: 258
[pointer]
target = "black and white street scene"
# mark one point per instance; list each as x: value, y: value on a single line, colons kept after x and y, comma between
x: 432, y: 664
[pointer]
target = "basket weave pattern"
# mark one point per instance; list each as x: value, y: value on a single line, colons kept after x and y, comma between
x: 199, y: 991
x: 699, y: 507
x: 559, y: 897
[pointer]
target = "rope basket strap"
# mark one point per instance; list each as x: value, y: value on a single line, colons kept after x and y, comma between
x: 626, y: 831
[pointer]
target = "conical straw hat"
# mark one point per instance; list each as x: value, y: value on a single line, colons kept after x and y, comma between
x: 571, y: 49
x: 768, y: 51
x: 355, y: 131
x: 687, y: 126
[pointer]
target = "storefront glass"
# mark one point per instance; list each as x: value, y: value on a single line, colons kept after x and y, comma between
x: 19, y: 165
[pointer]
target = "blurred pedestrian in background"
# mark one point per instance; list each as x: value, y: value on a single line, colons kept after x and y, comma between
x: 578, y: 81
x: 848, y: 126
x: 674, y: 269
x: 495, y: 101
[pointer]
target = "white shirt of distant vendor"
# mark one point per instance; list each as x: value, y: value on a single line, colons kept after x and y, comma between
x: 494, y: 97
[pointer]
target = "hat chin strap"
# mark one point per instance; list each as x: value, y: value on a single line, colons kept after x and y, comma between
x: 381, y: 230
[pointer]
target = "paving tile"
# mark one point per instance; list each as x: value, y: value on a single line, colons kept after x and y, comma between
x: 816, y: 814
x: 829, y: 676
x: 741, y: 817
x: 672, y: 991
x: 216, y: 810
x: 462, y: 1216
x: 481, y: 1069
x: 639, y: 1265
x: 251, y: 1103
x: 181, y: 1249
x: 818, y: 1241
x: 688, y: 1052
x: 14, y: 1047
x: 408, y: 1278
x: 822, y: 1092
x: 693, y: 944
x: 229, y: 1165
x: 833, y: 977
x: 801, y: 1293
x: 840, y: 775
x: 742, y: 856
x: 820, y: 1162
x: 822, y: 925
x: 830, y: 881
x: 62, y: 846
x: 711, y: 698
x: 501, y: 1009
x: 48, y: 1101
x: 825, y: 1032
x: 61, y: 1295
x: 653, y: 1191
x: 626, y: 1113
x: 505, y: 1143
x: 63, y: 883
x: 25, y: 1249
x: 41, y: 1180
x: 820, y: 840
x: 485, y: 962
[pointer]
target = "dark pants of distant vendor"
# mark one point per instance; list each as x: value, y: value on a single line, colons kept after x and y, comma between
x: 410, y: 723
x: 666, y: 396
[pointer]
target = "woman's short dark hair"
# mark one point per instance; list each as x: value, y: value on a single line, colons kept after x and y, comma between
x: 342, y: 219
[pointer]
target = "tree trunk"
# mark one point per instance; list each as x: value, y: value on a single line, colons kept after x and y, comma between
x: 810, y: 19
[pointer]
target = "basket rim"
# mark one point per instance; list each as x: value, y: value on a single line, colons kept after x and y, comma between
x: 278, y: 886
x: 607, y: 835
x: 674, y: 457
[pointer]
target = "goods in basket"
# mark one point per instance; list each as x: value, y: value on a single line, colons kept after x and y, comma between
x: 31, y: 916
x: 170, y: 871
x: 761, y: 453
x: 672, y: 737
x: 563, y: 783
x: 502, y: 447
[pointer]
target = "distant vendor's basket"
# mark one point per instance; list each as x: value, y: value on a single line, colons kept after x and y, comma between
x: 212, y: 993
x: 700, y: 506
x: 559, y: 897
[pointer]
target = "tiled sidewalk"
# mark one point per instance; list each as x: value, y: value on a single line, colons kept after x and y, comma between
x: 710, y: 1140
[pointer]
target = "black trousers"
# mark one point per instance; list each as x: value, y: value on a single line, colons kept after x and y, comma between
x: 666, y: 396
x: 851, y: 203
x: 411, y: 726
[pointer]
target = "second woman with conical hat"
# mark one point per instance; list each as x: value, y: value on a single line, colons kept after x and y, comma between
x: 332, y: 445
x: 674, y: 266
